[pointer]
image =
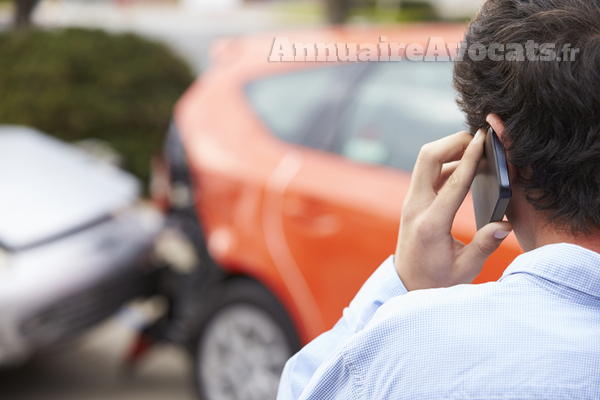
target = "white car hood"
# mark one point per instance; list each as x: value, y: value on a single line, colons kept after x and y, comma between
x: 48, y: 188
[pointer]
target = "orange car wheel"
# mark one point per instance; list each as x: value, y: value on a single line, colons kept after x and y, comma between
x: 243, y: 347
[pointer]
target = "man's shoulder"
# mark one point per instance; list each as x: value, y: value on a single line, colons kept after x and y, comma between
x: 434, y: 342
x: 487, y: 317
x: 460, y: 297
x: 435, y: 316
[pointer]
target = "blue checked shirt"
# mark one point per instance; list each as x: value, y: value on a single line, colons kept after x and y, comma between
x: 534, y: 334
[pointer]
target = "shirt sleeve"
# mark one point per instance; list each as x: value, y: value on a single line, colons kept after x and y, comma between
x: 308, y: 363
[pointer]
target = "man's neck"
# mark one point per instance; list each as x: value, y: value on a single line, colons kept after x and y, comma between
x: 551, y: 235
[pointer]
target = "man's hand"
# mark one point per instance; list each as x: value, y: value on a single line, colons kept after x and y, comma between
x: 427, y: 255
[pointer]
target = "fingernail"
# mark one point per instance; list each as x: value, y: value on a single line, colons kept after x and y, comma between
x: 479, y: 133
x: 500, y: 234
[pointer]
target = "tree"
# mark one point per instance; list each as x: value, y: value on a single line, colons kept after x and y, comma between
x: 23, y: 13
x: 337, y: 11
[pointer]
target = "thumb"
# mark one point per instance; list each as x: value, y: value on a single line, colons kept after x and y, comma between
x: 485, y: 242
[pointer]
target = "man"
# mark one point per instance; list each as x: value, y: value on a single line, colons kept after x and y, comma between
x: 417, y: 329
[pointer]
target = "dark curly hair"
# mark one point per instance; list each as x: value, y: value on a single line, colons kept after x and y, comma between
x: 550, y: 109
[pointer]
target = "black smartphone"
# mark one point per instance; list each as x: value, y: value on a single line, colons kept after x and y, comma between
x: 491, y: 187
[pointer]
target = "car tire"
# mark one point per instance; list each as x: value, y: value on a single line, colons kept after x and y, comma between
x: 243, y: 346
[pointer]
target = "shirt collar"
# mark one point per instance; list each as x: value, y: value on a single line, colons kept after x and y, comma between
x: 564, y: 263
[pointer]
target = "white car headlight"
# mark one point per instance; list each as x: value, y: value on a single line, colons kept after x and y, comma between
x: 4, y: 259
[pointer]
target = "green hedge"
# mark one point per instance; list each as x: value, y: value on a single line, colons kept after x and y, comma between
x: 76, y: 84
x: 404, y: 11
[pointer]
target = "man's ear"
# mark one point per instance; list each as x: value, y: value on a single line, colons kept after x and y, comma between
x: 497, y: 125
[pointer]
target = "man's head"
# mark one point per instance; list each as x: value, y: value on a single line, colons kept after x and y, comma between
x: 550, y: 108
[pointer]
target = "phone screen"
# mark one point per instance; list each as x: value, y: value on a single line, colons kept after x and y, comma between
x: 491, y: 188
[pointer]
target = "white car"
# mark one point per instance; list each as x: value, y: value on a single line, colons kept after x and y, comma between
x: 75, y: 241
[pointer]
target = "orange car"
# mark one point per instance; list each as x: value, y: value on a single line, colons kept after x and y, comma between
x: 296, y: 173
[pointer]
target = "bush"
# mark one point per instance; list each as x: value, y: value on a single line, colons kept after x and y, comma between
x: 402, y: 11
x: 76, y: 84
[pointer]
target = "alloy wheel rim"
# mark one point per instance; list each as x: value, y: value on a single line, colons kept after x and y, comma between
x: 242, y: 354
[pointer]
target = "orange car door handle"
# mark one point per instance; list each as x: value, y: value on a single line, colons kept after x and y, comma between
x: 312, y: 222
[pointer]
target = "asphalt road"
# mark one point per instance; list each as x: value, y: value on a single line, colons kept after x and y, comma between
x: 92, y: 369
